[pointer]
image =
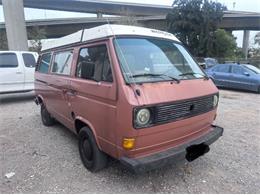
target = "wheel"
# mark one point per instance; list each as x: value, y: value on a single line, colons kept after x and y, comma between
x: 47, y: 119
x: 92, y: 158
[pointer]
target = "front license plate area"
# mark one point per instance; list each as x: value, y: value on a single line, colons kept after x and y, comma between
x: 195, y: 151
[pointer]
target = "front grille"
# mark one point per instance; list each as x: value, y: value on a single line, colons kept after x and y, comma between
x: 183, y: 109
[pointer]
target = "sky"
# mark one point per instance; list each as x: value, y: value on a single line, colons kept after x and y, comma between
x: 238, y: 5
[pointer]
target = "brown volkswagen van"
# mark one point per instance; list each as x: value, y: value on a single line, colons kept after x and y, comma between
x: 131, y: 93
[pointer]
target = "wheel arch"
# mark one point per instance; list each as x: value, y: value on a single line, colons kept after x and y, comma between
x: 39, y: 100
x: 80, y: 123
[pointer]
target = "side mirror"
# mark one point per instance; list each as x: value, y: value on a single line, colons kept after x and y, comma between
x: 246, y: 74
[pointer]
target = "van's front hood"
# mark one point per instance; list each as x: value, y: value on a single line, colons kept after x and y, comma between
x: 161, y: 92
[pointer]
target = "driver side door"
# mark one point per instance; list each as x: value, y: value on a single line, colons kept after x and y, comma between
x: 221, y: 75
x: 241, y: 78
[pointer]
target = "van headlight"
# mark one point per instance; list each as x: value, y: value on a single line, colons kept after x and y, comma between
x: 215, y: 100
x: 142, y: 117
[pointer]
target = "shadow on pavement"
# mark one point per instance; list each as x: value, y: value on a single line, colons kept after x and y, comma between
x: 16, y: 98
x: 115, y: 167
x: 237, y: 90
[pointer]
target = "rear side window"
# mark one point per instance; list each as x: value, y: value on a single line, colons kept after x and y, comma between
x: 237, y: 70
x: 29, y: 60
x: 94, y: 64
x: 62, y: 63
x: 44, y: 63
x: 8, y: 60
x: 222, y: 68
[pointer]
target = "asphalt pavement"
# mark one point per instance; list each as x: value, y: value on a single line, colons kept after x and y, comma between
x: 39, y: 159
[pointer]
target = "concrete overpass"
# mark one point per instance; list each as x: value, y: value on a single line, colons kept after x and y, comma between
x: 15, y: 22
x: 240, y: 20
x: 99, y: 6
x: 148, y: 15
x: 56, y: 28
x: 60, y: 27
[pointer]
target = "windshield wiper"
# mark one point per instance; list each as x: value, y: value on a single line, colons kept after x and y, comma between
x: 154, y: 75
x: 193, y: 73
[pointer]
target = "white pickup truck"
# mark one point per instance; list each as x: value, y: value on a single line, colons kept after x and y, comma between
x: 17, y: 71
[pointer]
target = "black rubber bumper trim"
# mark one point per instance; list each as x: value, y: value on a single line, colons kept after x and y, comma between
x: 167, y: 157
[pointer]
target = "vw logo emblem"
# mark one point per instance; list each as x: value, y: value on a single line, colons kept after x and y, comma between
x: 192, y: 107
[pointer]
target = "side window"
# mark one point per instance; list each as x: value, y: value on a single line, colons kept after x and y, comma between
x: 222, y: 68
x: 29, y: 60
x: 93, y: 64
x: 237, y: 70
x: 62, y: 63
x: 8, y: 60
x: 44, y: 63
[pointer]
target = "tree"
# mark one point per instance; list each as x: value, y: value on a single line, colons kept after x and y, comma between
x: 195, y: 22
x: 224, y: 44
x: 254, y: 50
x: 257, y: 39
x: 36, y: 35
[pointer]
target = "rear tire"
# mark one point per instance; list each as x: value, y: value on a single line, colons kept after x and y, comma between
x: 47, y: 119
x: 92, y: 158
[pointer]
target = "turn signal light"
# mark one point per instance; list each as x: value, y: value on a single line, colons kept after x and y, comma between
x: 128, y: 143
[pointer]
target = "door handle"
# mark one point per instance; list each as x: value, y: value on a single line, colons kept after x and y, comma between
x: 71, y: 92
x: 18, y: 72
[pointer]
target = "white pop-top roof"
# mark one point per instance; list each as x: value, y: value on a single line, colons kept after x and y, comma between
x: 106, y: 30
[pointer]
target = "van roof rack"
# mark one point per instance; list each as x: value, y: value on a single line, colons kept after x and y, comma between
x: 104, y: 31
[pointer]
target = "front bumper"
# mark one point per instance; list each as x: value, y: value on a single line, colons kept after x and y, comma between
x: 169, y: 156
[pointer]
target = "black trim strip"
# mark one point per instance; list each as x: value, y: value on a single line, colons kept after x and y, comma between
x: 41, y: 81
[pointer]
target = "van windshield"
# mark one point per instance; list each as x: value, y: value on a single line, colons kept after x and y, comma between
x: 154, y: 60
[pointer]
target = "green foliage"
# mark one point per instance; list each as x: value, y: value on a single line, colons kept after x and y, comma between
x: 254, y: 52
x: 257, y: 39
x: 224, y: 44
x: 195, y: 23
x: 36, y: 35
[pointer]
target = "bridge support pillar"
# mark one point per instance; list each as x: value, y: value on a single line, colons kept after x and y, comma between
x: 245, y: 42
x: 15, y: 25
x: 99, y: 15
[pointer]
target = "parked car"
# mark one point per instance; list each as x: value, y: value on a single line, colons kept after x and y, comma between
x: 236, y: 76
x: 208, y: 63
x: 17, y: 71
x: 127, y: 93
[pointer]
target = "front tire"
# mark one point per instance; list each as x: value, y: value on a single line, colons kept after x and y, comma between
x: 92, y: 158
x: 47, y: 119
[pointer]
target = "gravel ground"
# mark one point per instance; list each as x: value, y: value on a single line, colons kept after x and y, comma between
x: 46, y: 160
